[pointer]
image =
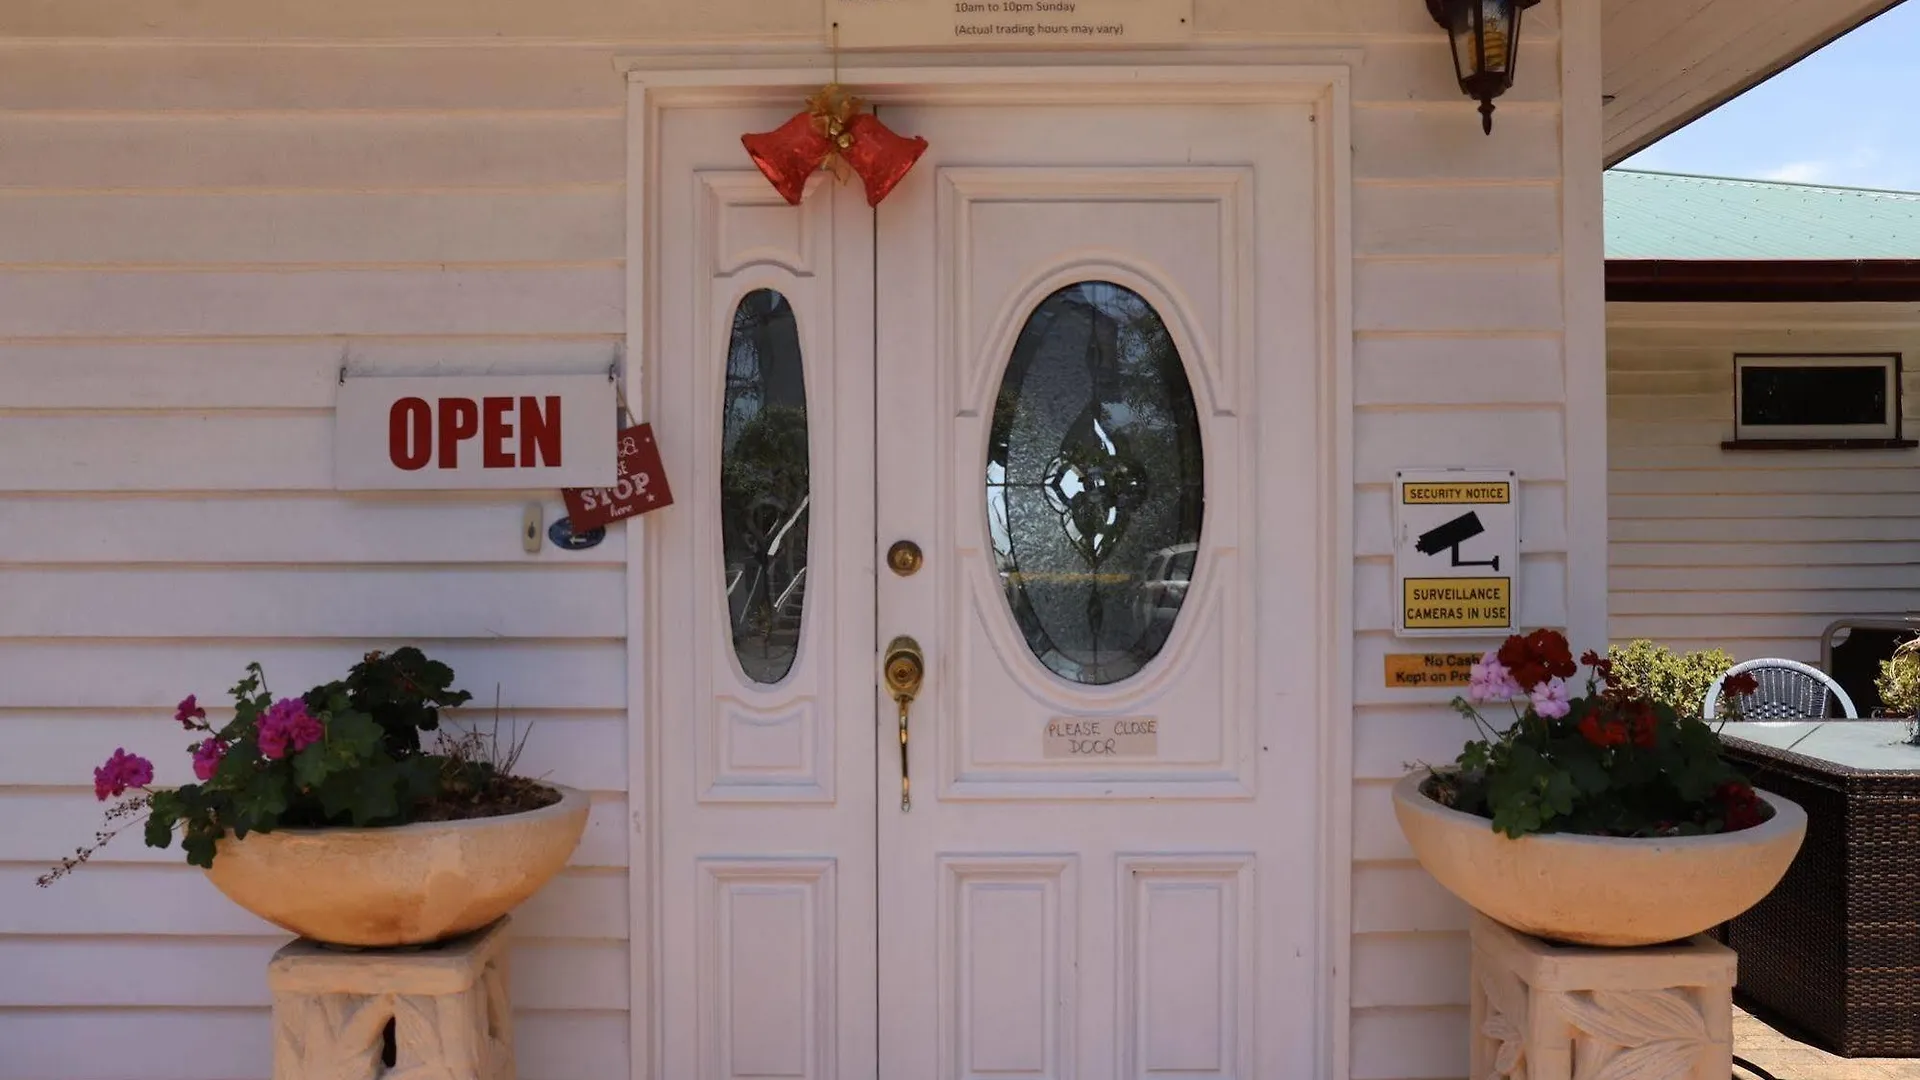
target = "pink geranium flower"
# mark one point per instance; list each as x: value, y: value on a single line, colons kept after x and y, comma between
x: 1551, y: 699
x: 288, y: 725
x: 1491, y: 681
x: 206, y: 757
x: 122, y: 771
x: 189, y: 711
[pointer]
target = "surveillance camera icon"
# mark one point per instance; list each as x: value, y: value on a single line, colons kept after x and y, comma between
x: 1450, y: 536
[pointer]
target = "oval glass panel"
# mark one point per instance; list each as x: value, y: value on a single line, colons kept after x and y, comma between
x: 1094, y: 482
x: 764, y: 492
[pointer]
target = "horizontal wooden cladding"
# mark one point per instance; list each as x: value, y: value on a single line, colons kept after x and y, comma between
x: 1410, y: 1044
x: 1884, y: 553
x: 321, y: 150
x: 177, y: 900
x: 1402, y: 898
x: 734, y: 21
x: 163, y: 303
x: 323, y: 530
x: 1767, y: 506
x: 39, y: 675
x: 260, y: 374
x: 231, y: 973
x: 569, y: 225
x: 1760, y: 530
x: 403, y: 602
x: 472, y: 20
x: 1529, y: 440
x: 1541, y: 590
x: 1410, y: 970
x: 44, y: 826
x: 1456, y: 219
x: 1828, y: 603
x: 1445, y: 143
x: 1376, y: 832
x: 1722, y: 627
x: 1405, y: 71
x: 1667, y: 455
x: 1470, y: 371
x: 1390, y: 739
x: 1543, y: 519
x: 1785, y: 576
x: 58, y: 749
x: 1837, y: 478
x: 1457, y: 295
x: 260, y: 75
x: 237, y: 1044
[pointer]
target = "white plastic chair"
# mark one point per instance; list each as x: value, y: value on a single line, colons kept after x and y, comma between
x: 1789, y: 690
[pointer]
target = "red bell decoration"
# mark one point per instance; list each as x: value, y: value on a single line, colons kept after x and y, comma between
x: 835, y: 130
x: 881, y: 157
x: 789, y: 154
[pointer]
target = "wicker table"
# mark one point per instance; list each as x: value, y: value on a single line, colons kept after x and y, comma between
x: 1835, y: 950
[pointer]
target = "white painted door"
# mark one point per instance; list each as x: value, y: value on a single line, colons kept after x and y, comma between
x: 1109, y: 868
x: 1110, y: 864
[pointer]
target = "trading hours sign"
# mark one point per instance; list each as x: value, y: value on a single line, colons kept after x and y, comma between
x: 870, y: 24
x: 1456, y: 552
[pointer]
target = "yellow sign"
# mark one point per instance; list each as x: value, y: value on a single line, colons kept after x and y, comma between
x: 1418, y: 671
x: 1458, y: 603
x: 1484, y: 494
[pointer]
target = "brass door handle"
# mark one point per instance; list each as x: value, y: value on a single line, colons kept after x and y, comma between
x: 904, y: 669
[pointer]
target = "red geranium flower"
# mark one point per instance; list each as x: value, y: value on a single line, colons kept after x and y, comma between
x: 1538, y: 657
x: 1740, y: 685
x: 1740, y: 805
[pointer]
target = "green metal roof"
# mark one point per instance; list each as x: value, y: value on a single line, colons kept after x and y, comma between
x: 1666, y: 216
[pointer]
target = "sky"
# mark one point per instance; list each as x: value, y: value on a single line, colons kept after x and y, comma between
x: 1848, y: 115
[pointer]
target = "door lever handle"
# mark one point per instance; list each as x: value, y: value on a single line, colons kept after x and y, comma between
x: 904, y: 669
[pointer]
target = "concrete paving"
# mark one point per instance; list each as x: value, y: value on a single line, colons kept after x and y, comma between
x: 1790, y: 1060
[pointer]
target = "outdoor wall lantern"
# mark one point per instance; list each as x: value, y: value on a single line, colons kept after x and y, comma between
x: 1486, y: 41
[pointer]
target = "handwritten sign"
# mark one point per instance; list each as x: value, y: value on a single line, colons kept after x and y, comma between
x: 1422, y: 671
x: 640, y: 485
x: 1080, y: 737
x: 878, y: 24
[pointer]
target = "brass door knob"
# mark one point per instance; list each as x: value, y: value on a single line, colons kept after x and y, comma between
x: 904, y: 558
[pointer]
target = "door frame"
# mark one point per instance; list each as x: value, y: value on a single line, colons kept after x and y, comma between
x: 659, y: 81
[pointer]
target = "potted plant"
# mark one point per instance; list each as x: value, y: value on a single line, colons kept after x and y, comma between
x: 326, y: 816
x: 1899, y: 686
x: 1598, y: 818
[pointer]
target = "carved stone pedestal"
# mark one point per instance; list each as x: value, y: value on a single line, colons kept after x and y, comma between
x: 447, y: 1004
x: 1557, y: 1012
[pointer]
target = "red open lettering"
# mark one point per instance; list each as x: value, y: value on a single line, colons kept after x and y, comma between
x: 410, y: 434
x: 459, y: 421
x: 496, y: 433
x: 539, y: 431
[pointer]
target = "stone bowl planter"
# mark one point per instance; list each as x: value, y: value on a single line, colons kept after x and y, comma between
x: 1598, y: 890
x: 405, y: 885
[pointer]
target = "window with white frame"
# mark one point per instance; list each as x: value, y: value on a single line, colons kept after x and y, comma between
x: 1816, y: 398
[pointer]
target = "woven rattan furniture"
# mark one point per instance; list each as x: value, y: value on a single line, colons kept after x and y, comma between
x: 1834, y: 951
x: 1789, y: 690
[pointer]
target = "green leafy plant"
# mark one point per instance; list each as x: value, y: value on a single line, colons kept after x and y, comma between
x: 1679, y: 681
x: 1899, y: 680
x: 1612, y: 761
x: 346, y: 753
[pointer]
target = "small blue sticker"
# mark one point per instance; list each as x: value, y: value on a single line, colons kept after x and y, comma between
x: 562, y: 535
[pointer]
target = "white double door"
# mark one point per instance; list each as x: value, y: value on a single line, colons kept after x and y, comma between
x: 1072, y: 359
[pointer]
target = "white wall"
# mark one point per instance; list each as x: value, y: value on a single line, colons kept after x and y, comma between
x: 1755, y: 552
x: 194, y: 226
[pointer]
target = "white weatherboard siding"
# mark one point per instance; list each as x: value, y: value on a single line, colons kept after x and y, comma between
x: 192, y: 240
x: 199, y: 219
x: 1753, y: 552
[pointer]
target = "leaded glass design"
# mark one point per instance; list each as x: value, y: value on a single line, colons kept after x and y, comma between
x: 764, y: 494
x: 1095, y: 483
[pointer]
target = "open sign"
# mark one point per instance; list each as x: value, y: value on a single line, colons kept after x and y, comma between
x: 475, y: 432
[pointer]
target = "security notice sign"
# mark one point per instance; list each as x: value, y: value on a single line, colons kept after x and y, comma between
x: 1456, y: 552
x: 879, y: 24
